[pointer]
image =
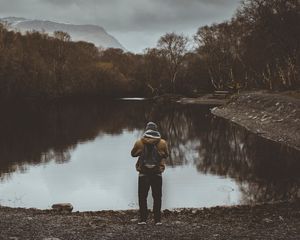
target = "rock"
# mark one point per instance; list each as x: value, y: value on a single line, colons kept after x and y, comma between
x: 265, y: 118
x: 204, y: 225
x: 167, y: 212
x: 134, y: 220
x: 92, y: 225
x: 267, y: 220
x: 62, y: 207
x: 13, y: 238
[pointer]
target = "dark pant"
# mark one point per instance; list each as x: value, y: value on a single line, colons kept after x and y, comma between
x: 145, y: 182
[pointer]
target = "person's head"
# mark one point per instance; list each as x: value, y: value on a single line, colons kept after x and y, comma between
x: 151, y: 131
x: 151, y: 126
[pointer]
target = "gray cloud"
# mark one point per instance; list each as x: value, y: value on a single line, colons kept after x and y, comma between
x: 126, y: 17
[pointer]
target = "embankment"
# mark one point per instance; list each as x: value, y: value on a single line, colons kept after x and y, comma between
x: 275, y: 116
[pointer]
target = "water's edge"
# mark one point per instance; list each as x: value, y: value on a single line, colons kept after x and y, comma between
x: 247, y: 110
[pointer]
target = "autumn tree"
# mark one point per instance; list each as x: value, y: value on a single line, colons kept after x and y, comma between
x: 271, y: 49
x: 155, y: 77
x: 62, y: 36
x: 173, y: 47
x: 37, y: 65
x: 257, y: 48
x: 219, y: 46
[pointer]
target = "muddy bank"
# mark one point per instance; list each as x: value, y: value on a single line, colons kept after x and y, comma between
x: 207, y: 99
x: 268, y: 221
x: 273, y: 116
x: 204, y: 99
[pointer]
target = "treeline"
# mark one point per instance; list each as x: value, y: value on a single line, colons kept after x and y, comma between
x: 257, y: 49
x: 37, y: 65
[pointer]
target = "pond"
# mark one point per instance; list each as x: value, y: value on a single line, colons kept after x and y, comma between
x: 79, y: 152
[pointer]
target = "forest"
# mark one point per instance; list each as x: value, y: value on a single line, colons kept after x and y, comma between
x: 258, y: 48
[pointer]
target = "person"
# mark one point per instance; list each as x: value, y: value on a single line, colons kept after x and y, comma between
x: 151, y: 151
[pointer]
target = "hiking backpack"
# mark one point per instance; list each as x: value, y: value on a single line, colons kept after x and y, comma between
x: 150, y: 157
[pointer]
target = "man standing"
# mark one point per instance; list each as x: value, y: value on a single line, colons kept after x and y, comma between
x: 152, y: 151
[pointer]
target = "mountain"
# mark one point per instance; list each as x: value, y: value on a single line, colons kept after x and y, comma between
x: 89, y: 33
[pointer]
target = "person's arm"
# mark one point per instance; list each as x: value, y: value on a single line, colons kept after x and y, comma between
x: 138, y: 165
x: 162, y: 165
x: 137, y: 149
x: 164, y: 150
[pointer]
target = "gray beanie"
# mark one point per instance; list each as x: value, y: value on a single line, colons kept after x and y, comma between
x: 151, y: 126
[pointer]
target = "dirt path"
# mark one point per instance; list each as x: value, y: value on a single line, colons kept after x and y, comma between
x: 269, y: 221
x: 273, y: 116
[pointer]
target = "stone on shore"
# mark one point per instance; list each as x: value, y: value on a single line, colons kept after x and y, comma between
x: 62, y: 207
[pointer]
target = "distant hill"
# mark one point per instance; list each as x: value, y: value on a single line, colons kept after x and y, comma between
x: 89, y: 33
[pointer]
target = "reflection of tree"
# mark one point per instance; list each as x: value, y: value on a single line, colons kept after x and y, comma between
x: 269, y: 191
x: 178, y: 124
x: 39, y: 133
x: 266, y: 171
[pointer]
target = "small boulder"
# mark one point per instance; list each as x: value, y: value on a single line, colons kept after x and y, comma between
x: 62, y: 207
x: 134, y: 220
x: 267, y: 220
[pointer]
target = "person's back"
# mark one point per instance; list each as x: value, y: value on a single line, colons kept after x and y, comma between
x: 152, y: 151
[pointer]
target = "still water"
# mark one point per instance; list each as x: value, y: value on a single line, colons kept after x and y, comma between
x: 79, y: 152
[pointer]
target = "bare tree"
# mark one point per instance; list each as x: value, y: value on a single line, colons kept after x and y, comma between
x: 173, y: 47
x: 63, y: 36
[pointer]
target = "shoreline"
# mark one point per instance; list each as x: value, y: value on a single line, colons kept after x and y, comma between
x: 273, y: 116
x: 261, y: 221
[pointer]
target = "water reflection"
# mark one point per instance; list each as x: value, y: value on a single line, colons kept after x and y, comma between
x: 38, y: 133
x: 233, y: 165
x: 266, y: 171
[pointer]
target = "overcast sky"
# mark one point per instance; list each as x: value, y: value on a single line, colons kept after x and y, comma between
x: 137, y: 24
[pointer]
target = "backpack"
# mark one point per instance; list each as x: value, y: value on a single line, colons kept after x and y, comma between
x: 150, y: 157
